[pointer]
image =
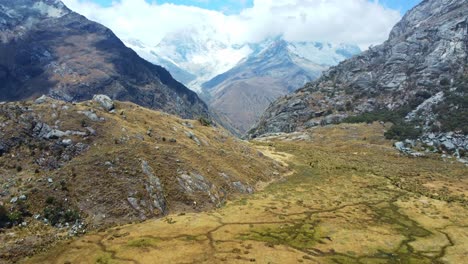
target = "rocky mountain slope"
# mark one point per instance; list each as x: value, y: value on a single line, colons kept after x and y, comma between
x: 69, y: 168
x: 416, y: 79
x: 276, y: 68
x: 47, y: 49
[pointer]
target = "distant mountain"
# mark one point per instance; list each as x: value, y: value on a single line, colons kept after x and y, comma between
x: 192, y: 55
x: 47, y: 49
x: 150, y: 55
x: 275, y: 68
x: 418, y: 79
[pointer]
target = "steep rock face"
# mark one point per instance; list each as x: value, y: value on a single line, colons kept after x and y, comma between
x: 245, y: 91
x: 425, y: 54
x: 47, y: 49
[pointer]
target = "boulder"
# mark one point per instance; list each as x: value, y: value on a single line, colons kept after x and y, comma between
x: 41, y: 99
x: 91, y: 115
x: 154, y: 188
x: 400, y: 146
x: 104, y: 101
x: 193, y: 137
x: 44, y: 131
x: 448, y: 145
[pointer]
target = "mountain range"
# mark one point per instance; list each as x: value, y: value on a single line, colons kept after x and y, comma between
x: 48, y: 49
x: 193, y: 55
x: 274, y: 69
x: 240, y: 81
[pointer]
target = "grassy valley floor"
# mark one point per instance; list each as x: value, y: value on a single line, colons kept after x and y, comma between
x: 352, y: 198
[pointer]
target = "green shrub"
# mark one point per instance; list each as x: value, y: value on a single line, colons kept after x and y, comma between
x: 384, y: 115
x: 58, y: 214
x: 445, y: 82
x: 453, y: 111
x: 204, y: 121
x: 50, y: 200
x: 4, y: 219
x: 15, y: 217
x: 402, y: 131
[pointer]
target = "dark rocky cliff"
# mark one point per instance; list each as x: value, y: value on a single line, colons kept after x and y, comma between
x: 47, y: 49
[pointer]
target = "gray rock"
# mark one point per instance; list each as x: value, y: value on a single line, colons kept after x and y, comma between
x: 67, y: 142
x: 448, y: 145
x: 134, y: 203
x: 410, y: 142
x: 193, y: 182
x: 188, y: 124
x: 41, y: 99
x: 23, y: 197
x: 400, y: 146
x: 104, y: 101
x: 240, y: 187
x: 44, y: 131
x: 91, y: 131
x: 193, y: 137
x: 154, y: 188
x: 90, y: 115
x: 14, y: 200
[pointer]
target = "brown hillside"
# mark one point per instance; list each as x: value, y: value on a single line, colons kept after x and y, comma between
x: 79, y: 167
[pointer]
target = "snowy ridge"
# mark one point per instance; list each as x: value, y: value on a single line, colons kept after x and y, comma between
x: 196, y: 56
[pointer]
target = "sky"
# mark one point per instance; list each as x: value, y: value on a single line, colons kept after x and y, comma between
x: 235, y: 6
x: 360, y: 22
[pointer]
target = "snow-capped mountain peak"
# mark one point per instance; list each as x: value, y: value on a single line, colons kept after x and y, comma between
x: 194, y: 56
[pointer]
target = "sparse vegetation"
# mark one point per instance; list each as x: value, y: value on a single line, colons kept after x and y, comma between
x: 453, y: 111
x: 341, y: 191
x: 57, y: 213
x: 4, y: 219
x: 142, y: 243
x: 402, y: 131
x: 204, y: 121
x: 384, y: 115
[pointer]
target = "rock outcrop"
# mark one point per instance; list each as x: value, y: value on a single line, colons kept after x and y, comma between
x: 424, y: 57
x: 47, y: 49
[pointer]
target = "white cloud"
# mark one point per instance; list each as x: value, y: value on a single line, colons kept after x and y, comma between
x: 358, y: 22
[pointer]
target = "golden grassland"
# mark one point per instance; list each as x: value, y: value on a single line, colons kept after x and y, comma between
x: 351, y: 199
x: 97, y: 182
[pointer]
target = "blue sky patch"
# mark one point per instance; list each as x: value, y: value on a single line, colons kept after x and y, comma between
x: 235, y: 6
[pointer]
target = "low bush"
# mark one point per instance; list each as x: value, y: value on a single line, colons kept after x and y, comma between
x: 57, y: 214
x: 384, y: 115
x: 4, y: 219
x: 402, y: 131
x: 453, y: 111
x: 204, y: 121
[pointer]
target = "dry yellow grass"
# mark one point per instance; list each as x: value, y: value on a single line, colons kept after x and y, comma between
x: 98, y: 181
x: 351, y: 199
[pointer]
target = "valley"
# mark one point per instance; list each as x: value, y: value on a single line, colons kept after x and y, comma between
x: 197, y: 135
x: 350, y: 198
